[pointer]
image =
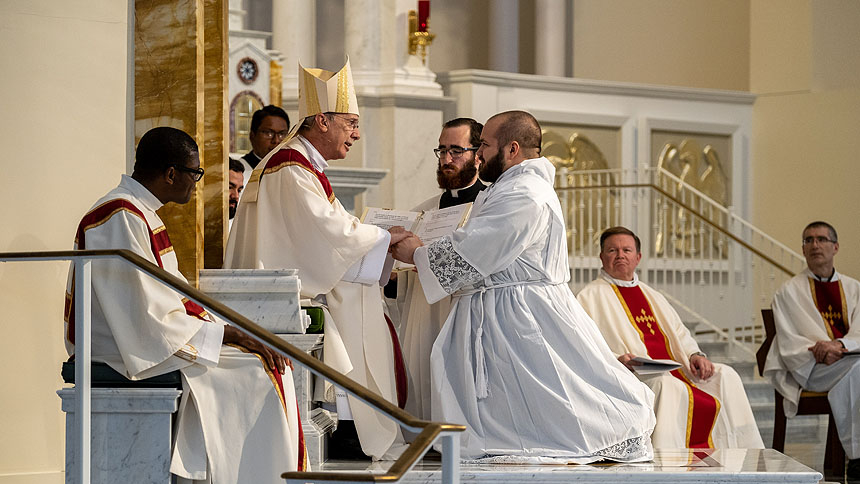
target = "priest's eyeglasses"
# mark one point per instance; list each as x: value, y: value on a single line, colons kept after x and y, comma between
x: 269, y: 134
x: 351, y: 124
x: 820, y: 239
x: 456, y: 152
x: 197, y: 174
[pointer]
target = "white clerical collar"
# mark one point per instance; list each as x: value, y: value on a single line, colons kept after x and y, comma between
x: 619, y: 282
x: 141, y: 193
x: 832, y: 278
x: 455, y: 192
x: 316, y: 158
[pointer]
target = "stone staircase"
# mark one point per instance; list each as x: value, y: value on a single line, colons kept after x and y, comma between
x: 799, y: 430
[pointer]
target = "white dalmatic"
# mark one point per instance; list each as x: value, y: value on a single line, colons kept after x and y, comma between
x: 518, y: 361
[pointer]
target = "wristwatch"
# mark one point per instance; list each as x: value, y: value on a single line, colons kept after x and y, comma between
x: 699, y: 353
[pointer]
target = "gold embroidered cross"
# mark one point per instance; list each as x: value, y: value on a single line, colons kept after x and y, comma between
x: 645, y: 318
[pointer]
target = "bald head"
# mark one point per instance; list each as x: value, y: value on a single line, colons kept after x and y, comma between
x: 521, y: 127
x: 507, y: 140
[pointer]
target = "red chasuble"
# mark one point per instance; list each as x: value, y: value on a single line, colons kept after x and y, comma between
x: 830, y: 301
x: 703, y: 408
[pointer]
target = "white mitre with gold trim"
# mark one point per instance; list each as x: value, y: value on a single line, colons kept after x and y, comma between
x: 320, y: 91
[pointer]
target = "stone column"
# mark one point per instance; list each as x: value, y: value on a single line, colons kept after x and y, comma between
x: 215, y: 136
x: 503, y: 35
x: 180, y: 57
x: 294, y: 35
x: 550, y: 37
x: 169, y: 91
x: 369, y: 39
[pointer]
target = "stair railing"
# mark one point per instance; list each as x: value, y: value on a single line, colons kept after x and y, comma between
x: 430, y: 432
x: 720, y: 273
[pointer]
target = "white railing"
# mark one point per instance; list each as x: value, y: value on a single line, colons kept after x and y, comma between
x: 720, y: 266
x: 427, y: 432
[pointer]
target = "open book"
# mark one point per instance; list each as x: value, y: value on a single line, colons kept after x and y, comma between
x: 650, y: 366
x: 429, y: 225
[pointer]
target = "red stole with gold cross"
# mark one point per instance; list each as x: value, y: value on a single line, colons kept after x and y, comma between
x: 702, y: 407
x: 829, y: 299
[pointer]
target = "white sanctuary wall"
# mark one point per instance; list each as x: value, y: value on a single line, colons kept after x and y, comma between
x: 63, y: 132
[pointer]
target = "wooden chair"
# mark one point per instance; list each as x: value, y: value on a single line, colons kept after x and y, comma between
x: 811, y: 403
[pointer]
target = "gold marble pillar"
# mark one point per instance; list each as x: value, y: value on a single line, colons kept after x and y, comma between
x: 215, y: 121
x: 275, y: 83
x: 175, y: 85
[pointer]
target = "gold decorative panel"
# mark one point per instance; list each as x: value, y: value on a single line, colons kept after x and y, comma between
x: 701, y: 168
x: 576, y: 158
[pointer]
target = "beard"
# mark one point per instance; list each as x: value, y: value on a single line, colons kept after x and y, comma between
x: 232, y: 208
x: 456, y: 178
x: 491, y: 169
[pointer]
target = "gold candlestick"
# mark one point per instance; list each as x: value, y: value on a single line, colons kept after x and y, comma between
x: 419, y: 39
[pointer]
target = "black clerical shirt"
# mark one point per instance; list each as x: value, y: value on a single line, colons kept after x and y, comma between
x: 464, y: 195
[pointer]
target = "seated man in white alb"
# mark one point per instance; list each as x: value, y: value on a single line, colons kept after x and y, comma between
x: 815, y: 314
x: 701, y: 404
x: 238, y: 417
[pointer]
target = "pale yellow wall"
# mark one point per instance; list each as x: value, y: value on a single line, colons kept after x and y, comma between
x: 62, y: 129
x: 806, y: 120
x: 693, y: 43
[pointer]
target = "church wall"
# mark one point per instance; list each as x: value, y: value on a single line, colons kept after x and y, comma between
x: 692, y: 43
x: 805, y: 69
x: 63, y: 132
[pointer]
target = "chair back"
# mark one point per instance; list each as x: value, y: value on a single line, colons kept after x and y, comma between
x: 769, y: 334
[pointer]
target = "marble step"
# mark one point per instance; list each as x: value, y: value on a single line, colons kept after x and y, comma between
x: 745, y: 368
x: 670, y: 466
x: 714, y: 349
x: 759, y: 391
x: 691, y: 325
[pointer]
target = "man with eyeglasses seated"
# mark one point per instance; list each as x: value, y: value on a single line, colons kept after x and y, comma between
x: 238, y: 399
x: 457, y: 175
x: 269, y: 126
x: 289, y: 218
x: 817, y: 316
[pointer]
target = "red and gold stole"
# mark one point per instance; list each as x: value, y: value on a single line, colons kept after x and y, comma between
x: 159, y: 244
x: 285, y: 158
x: 829, y: 298
x: 702, y: 408
x: 401, y: 381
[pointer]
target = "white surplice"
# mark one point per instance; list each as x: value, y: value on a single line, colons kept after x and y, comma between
x: 791, y: 367
x: 288, y: 221
x: 518, y: 361
x: 232, y: 425
x: 735, y: 425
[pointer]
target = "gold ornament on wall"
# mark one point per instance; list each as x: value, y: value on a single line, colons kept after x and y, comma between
x: 575, y: 159
x: 699, y: 168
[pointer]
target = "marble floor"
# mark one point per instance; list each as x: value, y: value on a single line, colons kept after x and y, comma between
x: 669, y: 466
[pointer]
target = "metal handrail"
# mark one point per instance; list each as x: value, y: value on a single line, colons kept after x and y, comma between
x: 430, y: 431
x: 692, y: 211
x: 718, y: 206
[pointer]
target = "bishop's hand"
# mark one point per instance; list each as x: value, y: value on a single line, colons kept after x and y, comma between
x: 397, y: 234
x: 405, y: 249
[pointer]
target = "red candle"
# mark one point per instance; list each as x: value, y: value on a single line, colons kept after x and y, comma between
x: 423, y: 14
